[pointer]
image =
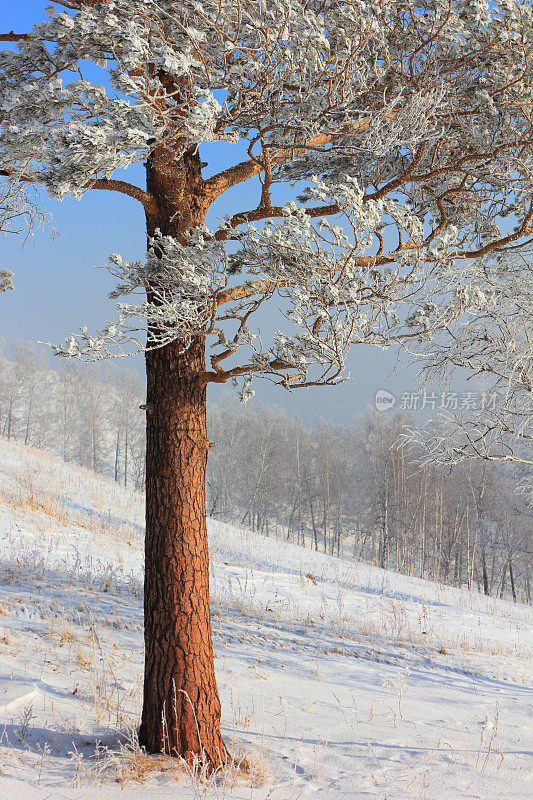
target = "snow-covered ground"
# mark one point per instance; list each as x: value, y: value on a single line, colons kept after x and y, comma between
x: 337, y: 680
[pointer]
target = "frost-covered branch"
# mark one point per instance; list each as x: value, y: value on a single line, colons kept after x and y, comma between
x: 493, y: 340
x: 20, y: 210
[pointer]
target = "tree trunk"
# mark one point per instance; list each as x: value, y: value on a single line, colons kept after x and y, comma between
x: 511, y: 577
x: 181, y: 706
x: 181, y: 712
x: 126, y: 458
x: 117, y: 448
x: 486, y: 586
x: 313, y: 522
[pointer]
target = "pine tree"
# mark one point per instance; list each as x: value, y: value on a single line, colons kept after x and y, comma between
x: 400, y: 131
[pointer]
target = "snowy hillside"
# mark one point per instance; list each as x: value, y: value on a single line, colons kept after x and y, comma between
x: 337, y: 680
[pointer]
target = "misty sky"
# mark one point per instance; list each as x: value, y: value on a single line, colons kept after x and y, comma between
x: 58, y: 290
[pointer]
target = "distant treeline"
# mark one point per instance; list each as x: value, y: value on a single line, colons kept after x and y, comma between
x: 349, y: 491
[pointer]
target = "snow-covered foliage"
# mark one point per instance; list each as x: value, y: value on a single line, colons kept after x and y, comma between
x: 407, y: 124
x: 492, y: 338
x: 330, y: 293
x: 6, y: 282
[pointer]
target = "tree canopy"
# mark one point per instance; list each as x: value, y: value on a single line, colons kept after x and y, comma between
x: 404, y: 132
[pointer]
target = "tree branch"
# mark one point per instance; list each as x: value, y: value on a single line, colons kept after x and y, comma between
x: 76, y: 5
x: 239, y: 173
x: 147, y: 200
x: 263, y: 212
x: 144, y: 197
x: 523, y: 230
x: 248, y: 289
x: 14, y: 37
x: 380, y: 259
x: 7, y: 172
x: 224, y: 375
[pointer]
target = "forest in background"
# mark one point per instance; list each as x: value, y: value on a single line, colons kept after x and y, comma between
x: 353, y: 491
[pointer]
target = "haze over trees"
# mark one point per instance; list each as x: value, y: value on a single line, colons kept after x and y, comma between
x: 401, y: 134
x: 349, y: 491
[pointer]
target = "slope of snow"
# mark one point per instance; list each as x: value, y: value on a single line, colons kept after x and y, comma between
x: 337, y: 680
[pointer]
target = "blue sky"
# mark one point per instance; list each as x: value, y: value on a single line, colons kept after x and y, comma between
x: 57, y: 288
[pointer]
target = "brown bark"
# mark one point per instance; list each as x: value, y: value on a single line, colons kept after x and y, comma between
x: 181, y: 706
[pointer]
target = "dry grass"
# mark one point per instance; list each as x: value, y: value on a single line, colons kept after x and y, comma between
x: 129, y: 763
x: 63, y: 636
x: 29, y: 492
